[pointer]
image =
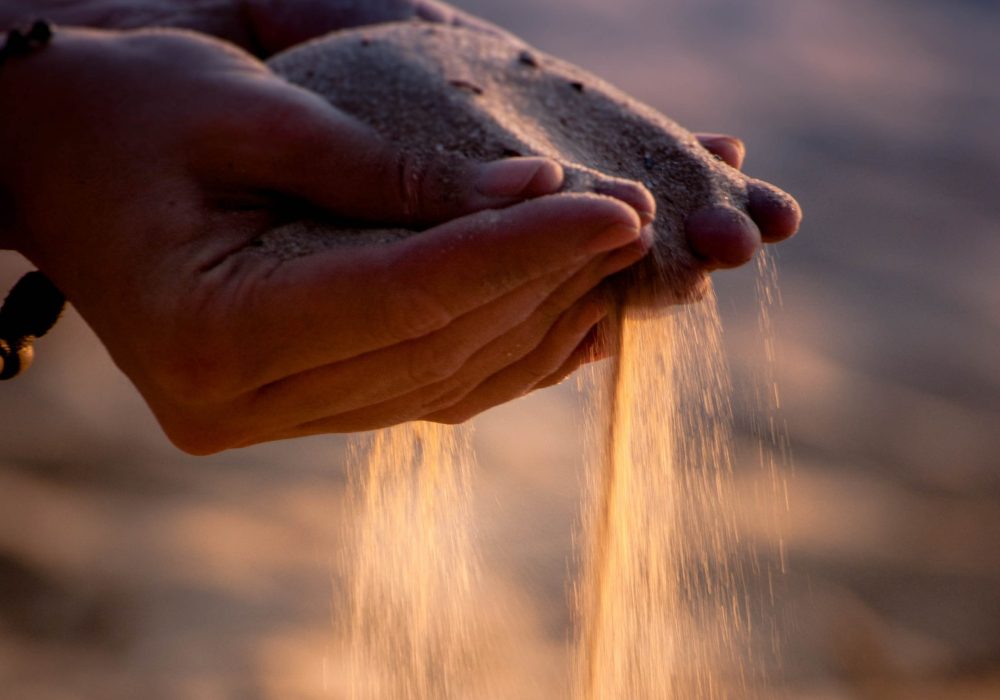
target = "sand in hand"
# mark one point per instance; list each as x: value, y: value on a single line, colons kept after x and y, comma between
x: 436, y: 90
x: 660, y: 604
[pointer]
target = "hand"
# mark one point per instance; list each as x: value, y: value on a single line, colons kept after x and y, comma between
x: 511, y: 383
x: 140, y: 166
x: 262, y: 27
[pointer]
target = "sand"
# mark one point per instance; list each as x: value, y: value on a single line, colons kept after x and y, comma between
x: 659, y: 605
x: 447, y: 90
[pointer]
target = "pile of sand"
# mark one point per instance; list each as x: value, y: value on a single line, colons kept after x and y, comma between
x: 439, y: 89
x: 659, y: 544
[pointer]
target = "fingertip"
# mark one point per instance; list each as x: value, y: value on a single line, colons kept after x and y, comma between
x: 723, y: 237
x: 777, y: 214
x: 632, y: 193
x: 518, y: 177
x: 548, y: 179
x: 613, y: 227
x: 729, y: 149
x: 629, y: 254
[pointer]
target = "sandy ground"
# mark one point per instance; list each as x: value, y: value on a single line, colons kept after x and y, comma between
x: 129, y: 570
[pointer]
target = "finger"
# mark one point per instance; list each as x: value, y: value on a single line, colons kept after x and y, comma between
x: 298, y: 145
x: 347, y: 301
x: 513, y: 382
x: 551, y: 356
x: 395, y: 375
x: 368, y: 390
x: 403, y: 380
x: 632, y: 193
x: 722, y: 236
x: 502, y: 351
x: 513, y: 347
x: 591, y: 349
x: 408, y: 381
x: 729, y: 149
x: 776, y: 213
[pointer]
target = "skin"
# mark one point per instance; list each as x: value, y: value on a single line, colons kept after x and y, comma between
x: 141, y: 205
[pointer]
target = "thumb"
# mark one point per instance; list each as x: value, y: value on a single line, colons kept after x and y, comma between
x: 319, y: 154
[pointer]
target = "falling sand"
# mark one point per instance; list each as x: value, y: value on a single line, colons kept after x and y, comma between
x: 660, y: 607
x: 660, y: 603
x: 413, y: 618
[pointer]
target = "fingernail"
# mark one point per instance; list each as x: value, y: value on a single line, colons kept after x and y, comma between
x: 723, y: 236
x: 519, y: 177
x: 612, y: 237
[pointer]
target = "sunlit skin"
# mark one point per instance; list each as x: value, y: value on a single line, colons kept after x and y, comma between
x: 138, y: 164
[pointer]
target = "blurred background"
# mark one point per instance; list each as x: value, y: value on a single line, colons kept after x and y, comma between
x: 130, y: 570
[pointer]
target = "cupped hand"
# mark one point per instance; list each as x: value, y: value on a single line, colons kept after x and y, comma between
x: 514, y: 381
x: 141, y: 166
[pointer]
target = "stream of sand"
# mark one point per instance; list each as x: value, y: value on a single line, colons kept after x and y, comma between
x: 412, y: 627
x: 662, y: 605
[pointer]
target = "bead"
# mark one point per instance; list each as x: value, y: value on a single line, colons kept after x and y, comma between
x: 31, y: 308
x: 15, y: 360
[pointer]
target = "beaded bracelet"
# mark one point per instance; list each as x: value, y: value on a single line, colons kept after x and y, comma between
x: 34, y: 304
x: 30, y: 310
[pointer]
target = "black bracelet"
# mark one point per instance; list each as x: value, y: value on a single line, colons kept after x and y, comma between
x: 34, y: 304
